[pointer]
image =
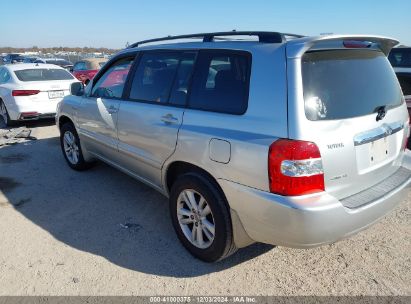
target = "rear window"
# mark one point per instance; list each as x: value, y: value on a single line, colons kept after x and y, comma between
x: 340, y: 84
x: 405, y: 82
x: 43, y: 74
x: 400, y: 58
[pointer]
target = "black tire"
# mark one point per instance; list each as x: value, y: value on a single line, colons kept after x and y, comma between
x: 80, y: 164
x: 7, y: 121
x: 222, y: 245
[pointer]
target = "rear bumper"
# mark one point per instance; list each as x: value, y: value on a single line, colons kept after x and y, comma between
x: 37, y: 116
x: 33, y: 110
x: 307, y: 221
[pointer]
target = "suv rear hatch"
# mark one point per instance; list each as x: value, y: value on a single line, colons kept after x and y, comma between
x: 349, y: 103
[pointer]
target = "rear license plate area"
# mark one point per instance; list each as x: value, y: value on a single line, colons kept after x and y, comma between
x: 378, y: 151
x: 56, y: 94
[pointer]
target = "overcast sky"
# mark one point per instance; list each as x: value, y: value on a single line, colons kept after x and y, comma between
x: 46, y: 23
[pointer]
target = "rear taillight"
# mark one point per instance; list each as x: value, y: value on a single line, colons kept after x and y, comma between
x: 24, y: 92
x: 295, y: 168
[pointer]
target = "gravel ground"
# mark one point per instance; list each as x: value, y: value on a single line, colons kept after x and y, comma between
x: 102, y: 233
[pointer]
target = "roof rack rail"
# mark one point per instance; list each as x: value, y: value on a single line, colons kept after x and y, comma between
x: 264, y: 37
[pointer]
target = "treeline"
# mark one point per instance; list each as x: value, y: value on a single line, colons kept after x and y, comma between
x: 58, y: 49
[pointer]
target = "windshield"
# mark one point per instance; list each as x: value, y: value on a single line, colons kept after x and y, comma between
x: 43, y: 75
x: 400, y: 58
x: 341, y: 84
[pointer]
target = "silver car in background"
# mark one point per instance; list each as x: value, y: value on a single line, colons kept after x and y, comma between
x: 287, y: 140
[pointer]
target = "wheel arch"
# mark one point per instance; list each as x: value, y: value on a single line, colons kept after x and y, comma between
x: 63, y: 120
x: 177, y: 168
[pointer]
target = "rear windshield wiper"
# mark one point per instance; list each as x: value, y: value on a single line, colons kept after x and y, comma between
x: 381, y: 111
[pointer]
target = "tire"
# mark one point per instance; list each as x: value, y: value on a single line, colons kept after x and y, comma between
x: 71, y: 148
x: 4, y: 115
x: 215, y: 246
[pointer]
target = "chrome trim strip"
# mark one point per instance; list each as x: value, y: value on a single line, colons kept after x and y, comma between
x: 378, y: 133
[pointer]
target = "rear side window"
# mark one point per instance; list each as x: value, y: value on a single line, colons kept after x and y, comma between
x: 43, y: 74
x: 340, y: 84
x: 221, y: 81
x: 154, y: 77
x: 400, y: 57
x: 405, y: 82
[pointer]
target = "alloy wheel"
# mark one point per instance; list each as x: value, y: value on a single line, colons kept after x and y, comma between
x: 195, y: 218
x: 71, y: 148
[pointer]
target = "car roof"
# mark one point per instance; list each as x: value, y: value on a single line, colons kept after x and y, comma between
x: 297, y: 45
x: 230, y: 45
x: 25, y: 66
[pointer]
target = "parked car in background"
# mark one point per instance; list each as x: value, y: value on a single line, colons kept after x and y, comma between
x: 31, y: 91
x: 258, y: 141
x: 13, y: 58
x: 86, y: 69
x: 57, y: 61
x: 400, y: 59
x: 30, y: 59
x: 2, y: 60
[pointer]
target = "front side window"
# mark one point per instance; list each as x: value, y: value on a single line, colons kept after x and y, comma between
x: 43, y: 75
x: 111, y: 83
x: 221, y: 81
x: 340, y: 84
x: 154, y: 77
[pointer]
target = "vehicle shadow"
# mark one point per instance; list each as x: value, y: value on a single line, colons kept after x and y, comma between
x: 100, y: 211
x: 29, y: 124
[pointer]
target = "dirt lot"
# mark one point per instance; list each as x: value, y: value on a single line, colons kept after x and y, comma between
x: 102, y: 233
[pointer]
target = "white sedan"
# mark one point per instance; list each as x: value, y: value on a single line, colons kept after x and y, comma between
x: 32, y: 91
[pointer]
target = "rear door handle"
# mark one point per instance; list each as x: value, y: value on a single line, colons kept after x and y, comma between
x: 169, y: 119
x: 112, y: 109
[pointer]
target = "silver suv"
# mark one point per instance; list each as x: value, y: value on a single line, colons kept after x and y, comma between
x: 253, y: 136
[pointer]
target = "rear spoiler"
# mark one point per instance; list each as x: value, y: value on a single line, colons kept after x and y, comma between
x: 297, y: 47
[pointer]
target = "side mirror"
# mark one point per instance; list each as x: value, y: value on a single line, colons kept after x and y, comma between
x: 77, y: 89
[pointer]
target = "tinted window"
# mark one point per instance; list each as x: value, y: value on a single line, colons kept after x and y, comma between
x: 347, y: 83
x: 400, y: 57
x: 220, y: 82
x: 43, y: 74
x: 80, y: 66
x: 405, y: 82
x: 111, y: 83
x: 178, y: 93
x: 154, y: 77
